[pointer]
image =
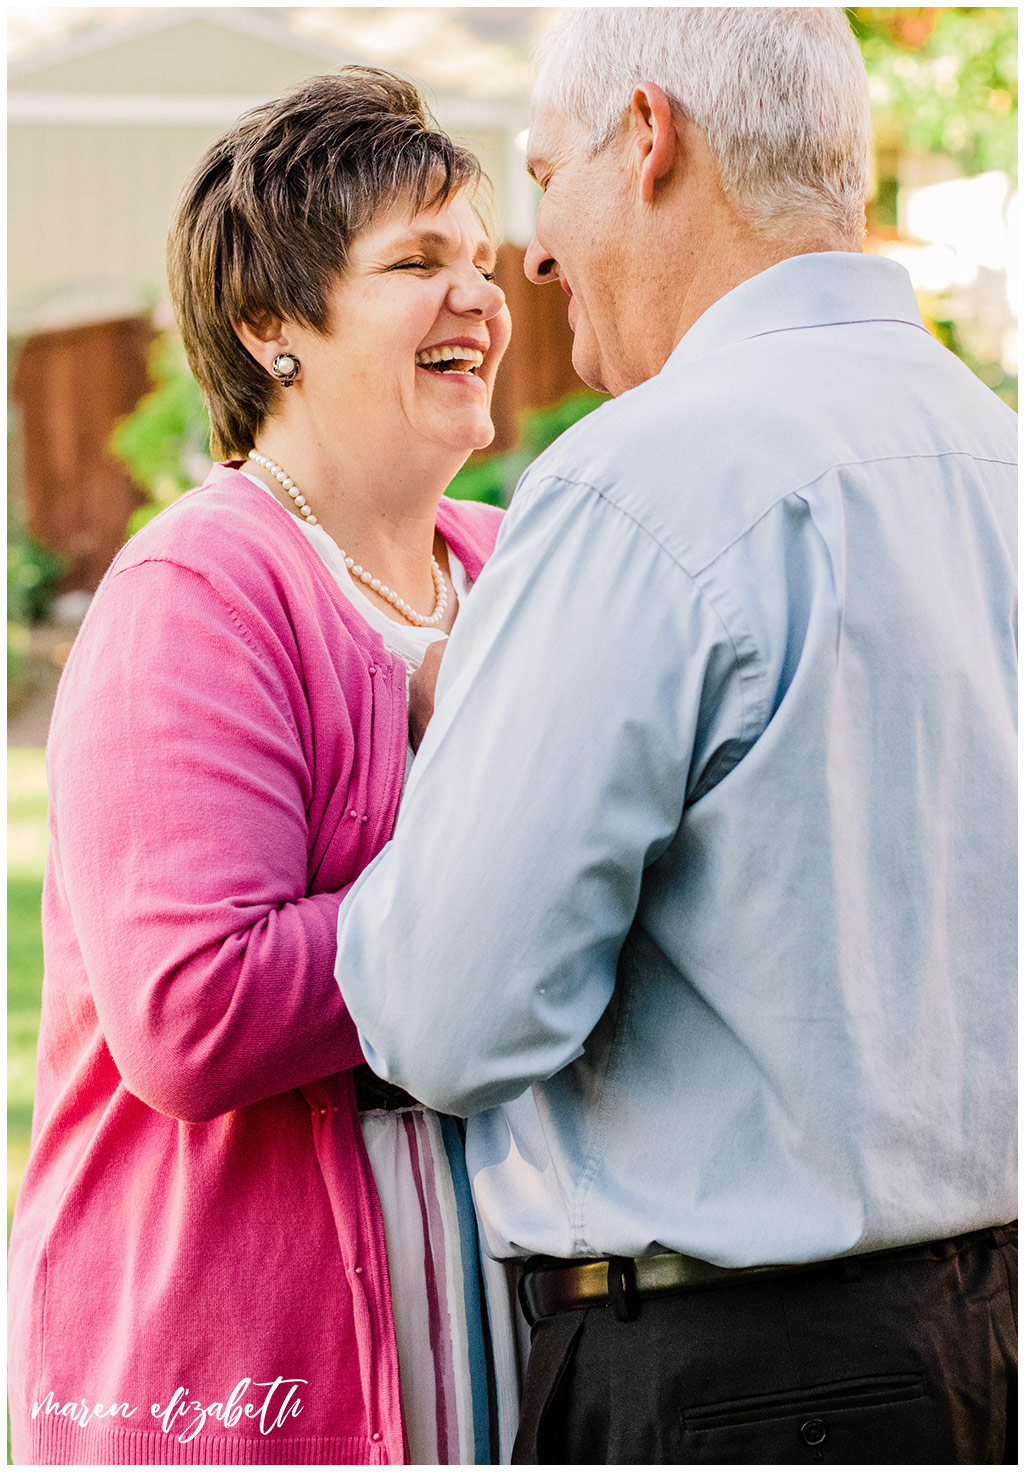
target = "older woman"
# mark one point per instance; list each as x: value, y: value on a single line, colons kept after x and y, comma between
x: 199, y: 1259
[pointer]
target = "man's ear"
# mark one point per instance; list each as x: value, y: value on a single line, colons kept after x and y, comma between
x: 263, y: 339
x: 650, y: 116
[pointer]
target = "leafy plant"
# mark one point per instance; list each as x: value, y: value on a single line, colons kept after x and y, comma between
x: 944, y: 80
x: 483, y: 480
x: 165, y: 442
x: 950, y: 333
x: 33, y: 575
x: 17, y: 658
x: 493, y: 480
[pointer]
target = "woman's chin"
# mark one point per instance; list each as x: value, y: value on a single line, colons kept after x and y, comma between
x: 470, y: 437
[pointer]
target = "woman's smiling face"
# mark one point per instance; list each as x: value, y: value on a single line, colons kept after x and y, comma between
x: 415, y: 332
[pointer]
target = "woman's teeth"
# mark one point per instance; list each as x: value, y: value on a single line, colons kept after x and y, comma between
x: 450, y: 359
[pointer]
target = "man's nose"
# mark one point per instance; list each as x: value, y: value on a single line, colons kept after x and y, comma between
x: 538, y: 265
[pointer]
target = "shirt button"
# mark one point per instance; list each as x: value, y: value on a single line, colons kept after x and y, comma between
x: 358, y: 1272
x: 352, y: 813
x: 376, y: 1436
x: 323, y: 1110
x: 813, y: 1432
x: 366, y: 817
x: 373, y: 669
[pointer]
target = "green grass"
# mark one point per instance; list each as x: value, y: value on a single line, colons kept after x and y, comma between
x: 26, y: 855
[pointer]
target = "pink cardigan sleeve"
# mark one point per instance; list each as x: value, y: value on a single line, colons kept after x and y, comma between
x: 179, y: 787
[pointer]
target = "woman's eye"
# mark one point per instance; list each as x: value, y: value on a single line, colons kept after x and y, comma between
x: 432, y: 266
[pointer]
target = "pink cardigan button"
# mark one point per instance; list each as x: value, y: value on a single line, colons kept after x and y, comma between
x: 376, y: 1436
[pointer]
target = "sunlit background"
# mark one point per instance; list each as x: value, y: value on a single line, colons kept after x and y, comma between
x: 109, y: 106
x: 108, y: 110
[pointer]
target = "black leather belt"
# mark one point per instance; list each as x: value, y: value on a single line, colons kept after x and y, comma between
x: 551, y: 1285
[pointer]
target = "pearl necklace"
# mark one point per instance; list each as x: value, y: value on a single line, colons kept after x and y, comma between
x: 421, y: 621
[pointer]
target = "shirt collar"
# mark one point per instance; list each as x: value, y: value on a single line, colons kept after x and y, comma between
x: 819, y: 290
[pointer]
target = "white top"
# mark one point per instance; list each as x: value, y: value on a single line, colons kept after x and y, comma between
x: 406, y: 640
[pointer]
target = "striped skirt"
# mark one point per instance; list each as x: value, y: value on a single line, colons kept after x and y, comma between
x: 460, y: 1336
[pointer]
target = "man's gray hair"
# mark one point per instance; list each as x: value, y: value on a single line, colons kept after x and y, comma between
x: 779, y: 92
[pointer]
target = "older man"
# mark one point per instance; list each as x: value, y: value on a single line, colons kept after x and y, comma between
x: 700, y: 904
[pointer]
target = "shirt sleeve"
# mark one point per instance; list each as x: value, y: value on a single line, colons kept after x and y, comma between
x: 179, y: 788
x: 479, y: 950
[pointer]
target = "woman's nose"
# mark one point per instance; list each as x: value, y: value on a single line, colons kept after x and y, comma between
x: 538, y: 265
x: 478, y: 297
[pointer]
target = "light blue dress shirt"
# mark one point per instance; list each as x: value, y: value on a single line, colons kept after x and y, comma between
x: 701, y: 899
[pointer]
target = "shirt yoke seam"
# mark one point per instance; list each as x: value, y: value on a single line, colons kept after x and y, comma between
x: 750, y: 719
x: 830, y: 470
x: 750, y: 724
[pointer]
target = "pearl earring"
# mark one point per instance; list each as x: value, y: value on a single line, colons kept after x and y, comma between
x: 285, y: 369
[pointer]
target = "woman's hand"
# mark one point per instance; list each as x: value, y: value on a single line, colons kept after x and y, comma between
x: 422, y: 684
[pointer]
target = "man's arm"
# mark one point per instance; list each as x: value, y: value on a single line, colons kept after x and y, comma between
x: 479, y: 950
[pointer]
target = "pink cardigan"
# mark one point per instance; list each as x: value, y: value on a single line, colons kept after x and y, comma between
x: 198, y: 1231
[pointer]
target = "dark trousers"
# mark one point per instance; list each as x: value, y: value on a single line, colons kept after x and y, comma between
x: 902, y: 1361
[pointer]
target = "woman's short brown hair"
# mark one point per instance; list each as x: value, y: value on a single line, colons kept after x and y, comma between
x: 262, y: 227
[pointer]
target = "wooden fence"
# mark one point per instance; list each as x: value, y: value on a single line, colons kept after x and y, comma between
x: 70, y: 389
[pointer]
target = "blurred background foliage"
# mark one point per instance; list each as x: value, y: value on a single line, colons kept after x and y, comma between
x: 944, y: 80
x: 493, y: 478
x: 944, y: 100
x: 165, y: 442
x: 33, y: 575
x: 26, y: 856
